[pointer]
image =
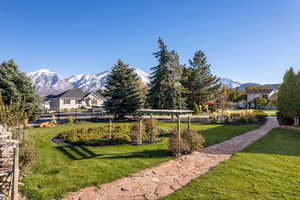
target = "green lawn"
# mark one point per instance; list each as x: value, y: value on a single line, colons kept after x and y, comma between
x: 269, y: 169
x: 59, y: 170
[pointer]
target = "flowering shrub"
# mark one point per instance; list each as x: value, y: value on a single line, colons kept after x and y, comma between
x: 248, y: 116
x: 97, y: 136
x: 149, y: 131
x: 190, y: 141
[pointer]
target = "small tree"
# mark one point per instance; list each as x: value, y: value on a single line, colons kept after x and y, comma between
x: 164, y: 92
x: 16, y: 88
x: 200, y: 84
x: 287, y: 96
x: 261, y: 102
x: 122, y: 91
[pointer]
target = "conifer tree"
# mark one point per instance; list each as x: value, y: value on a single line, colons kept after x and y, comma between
x: 287, y: 95
x: 16, y: 88
x: 122, y: 91
x: 164, y: 92
x: 199, y: 83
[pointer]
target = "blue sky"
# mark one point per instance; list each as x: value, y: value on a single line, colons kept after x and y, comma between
x: 244, y: 40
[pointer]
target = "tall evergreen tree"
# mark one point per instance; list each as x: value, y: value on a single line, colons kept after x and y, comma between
x: 200, y: 84
x: 164, y: 92
x: 287, y: 95
x: 122, y: 91
x: 16, y: 87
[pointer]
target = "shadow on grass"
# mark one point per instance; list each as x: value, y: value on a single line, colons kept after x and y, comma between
x: 77, y: 152
x: 81, y: 153
x: 160, y: 153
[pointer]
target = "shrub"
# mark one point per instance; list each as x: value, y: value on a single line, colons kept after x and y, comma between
x: 97, y: 136
x: 190, y: 141
x: 227, y: 117
x: 70, y: 120
x: 151, y: 129
x: 120, y: 138
x: 197, y: 108
x: 214, y: 118
x: 260, y: 116
x: 194, y: 140
x: 136, y: 132
x: 27, y: 155
x: 283, y: 119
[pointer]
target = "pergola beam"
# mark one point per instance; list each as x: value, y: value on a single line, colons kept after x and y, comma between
x: 177, y: 113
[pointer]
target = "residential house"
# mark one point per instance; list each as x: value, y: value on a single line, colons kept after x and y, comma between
x: 267, y: 93
x: 257, y: 92
x: 74, y: 99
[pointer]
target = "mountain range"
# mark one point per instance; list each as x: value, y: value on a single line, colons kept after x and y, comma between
x: 47, y: 82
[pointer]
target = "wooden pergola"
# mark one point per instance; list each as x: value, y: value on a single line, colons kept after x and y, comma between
x: 178, y: 113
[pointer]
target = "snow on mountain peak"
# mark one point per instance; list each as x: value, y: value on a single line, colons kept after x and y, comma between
x: 47, y: 82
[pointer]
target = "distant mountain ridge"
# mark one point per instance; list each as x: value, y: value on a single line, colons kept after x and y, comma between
x: 242, y: 86
x: 47, y: 82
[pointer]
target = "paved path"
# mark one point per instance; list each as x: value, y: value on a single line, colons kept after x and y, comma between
x: 164, y: 179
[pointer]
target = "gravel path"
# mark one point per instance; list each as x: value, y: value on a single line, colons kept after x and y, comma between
x: 164, y: 179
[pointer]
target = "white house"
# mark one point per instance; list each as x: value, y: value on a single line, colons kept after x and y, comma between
x: 74, y: 99
x: 254, y: 93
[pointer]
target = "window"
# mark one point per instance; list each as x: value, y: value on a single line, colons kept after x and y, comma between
x: 78, y: 101
x: 67, y: 101
x: 94, y: 102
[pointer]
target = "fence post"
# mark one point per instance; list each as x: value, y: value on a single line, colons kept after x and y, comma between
x: 16, y: 173
x: 178, y: 136
x: 110, y: 128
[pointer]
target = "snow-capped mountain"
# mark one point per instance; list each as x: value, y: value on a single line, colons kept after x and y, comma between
x: 47, y: 82
x: 145, y: 77
x: 230, y: 83
x: 89, y: 82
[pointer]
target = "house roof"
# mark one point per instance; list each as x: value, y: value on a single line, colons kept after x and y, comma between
x: 259, y: 91
x: 97, y: 94
x: 75, y: 93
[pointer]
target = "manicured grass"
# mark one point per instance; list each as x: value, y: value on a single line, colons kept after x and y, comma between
x: 59, y: 170
x: 268, y: 169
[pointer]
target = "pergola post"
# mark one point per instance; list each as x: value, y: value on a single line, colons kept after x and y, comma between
x: 140, y: 139
x: 189, y: 123
x: 178, y: 136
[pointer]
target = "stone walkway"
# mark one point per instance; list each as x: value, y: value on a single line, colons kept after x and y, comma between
x: 164, y: 179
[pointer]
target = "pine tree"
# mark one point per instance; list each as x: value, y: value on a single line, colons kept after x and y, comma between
x: 287, y: 97
x: 164, y: 92
x: 122, y: 91
x: 200, y: 84
x: 16, y: 88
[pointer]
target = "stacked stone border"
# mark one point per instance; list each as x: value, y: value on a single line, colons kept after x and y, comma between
x: 9, y: 165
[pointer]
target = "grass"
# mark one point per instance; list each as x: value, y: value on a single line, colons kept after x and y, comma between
x: 59, y: 170
x: 269, y: 169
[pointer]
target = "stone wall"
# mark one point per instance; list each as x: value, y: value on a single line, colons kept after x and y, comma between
x: 7, y: 146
